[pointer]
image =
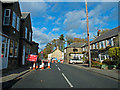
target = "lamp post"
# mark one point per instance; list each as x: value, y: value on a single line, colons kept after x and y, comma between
x: 89, y: 56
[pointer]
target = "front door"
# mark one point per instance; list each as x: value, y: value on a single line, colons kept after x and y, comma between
x: 4, y: 52
x: 23, y: 56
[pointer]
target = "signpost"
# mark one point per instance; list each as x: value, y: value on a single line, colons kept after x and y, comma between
x: 32, y: 58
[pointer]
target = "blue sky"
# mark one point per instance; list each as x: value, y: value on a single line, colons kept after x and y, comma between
x: 51, y: 19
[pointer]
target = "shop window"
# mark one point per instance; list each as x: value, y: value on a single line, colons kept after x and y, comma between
x: 11, y: 48
x: 16, y: 49
x: 6, y: 17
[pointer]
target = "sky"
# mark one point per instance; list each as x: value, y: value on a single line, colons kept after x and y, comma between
x: 51, y: 19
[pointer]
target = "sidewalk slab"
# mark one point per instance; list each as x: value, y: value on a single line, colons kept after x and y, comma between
x: 13, y: 74
x: 115, y: 74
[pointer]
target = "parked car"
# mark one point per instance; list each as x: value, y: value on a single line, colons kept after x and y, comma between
x: 73, y: 61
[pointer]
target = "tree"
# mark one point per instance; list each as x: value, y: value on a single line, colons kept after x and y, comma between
x: 115, y: 54
x: 61, y: 42
x: 79, y: 40
x: 69, y: 39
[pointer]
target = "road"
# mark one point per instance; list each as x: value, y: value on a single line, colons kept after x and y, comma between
x: 64, y: 76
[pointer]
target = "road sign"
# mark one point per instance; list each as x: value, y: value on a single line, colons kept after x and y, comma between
x: 32, y: 58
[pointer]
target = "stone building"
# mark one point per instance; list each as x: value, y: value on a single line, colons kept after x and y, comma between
x: 73, y: 51
x: 56, y: 54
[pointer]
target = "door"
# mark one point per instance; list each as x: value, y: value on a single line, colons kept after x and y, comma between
x: 23, y: 56
x: 4, y: 52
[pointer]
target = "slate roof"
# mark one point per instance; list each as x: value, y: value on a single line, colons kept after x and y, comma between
x: 106, y: 35
x: 24, y: 14
x: 75, y: 45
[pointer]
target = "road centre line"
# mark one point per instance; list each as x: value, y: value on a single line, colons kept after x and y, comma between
x: 67, y: 80
x: 58, y: 68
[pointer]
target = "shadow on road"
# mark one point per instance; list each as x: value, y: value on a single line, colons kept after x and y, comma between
x: 14, y: 71
x: 7, y: 85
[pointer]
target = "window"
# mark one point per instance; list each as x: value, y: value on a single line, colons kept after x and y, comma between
x: 11, y: 48
x: 83, y: 49
x: 112, y: 43
x: 14, y: 20
x: 18, y: 24
x: 109, y: 42
x: 93, y: 46
x: 3, y: 45
x: 29, y: 36
x: 16, y: 49
x: 6, y: 20
x: 26, y: 32
x: 75, y: 50
x: 96, y: 46
x: 101, y: 44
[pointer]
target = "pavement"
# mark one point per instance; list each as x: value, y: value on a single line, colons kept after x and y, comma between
x: 113, y: 73
x: 8, y: 76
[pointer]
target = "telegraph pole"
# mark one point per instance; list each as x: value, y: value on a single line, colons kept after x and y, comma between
x: 89, y: 56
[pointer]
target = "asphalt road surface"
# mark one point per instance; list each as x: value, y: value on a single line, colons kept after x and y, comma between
x: 64, y: 76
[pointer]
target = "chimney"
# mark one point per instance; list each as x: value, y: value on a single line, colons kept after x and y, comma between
x: 99, y: 33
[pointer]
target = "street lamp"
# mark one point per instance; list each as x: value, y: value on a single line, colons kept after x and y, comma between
x: 89, y: 56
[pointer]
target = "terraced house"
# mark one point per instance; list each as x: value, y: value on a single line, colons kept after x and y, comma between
x: 10, y: 33
x: 99, y: 47
x: 16, y: 36
x: 25, y: 38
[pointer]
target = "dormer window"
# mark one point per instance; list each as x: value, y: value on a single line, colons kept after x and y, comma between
x: 6, y: 20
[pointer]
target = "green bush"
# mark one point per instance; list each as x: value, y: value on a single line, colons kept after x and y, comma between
x: 109, y: 62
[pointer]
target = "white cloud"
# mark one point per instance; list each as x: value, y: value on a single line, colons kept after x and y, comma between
x: 82, y: 35
x: 35, y: 8
x: 58, y: 21
x: 43, y: 29
x: 51, y: 18
x: 55, y: 29
x: 76, y: 19
x: 41, y: 37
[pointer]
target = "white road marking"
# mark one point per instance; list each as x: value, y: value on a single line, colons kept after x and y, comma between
x: 67, y: 80
x: 56, y: 65
x: 58, y: 68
